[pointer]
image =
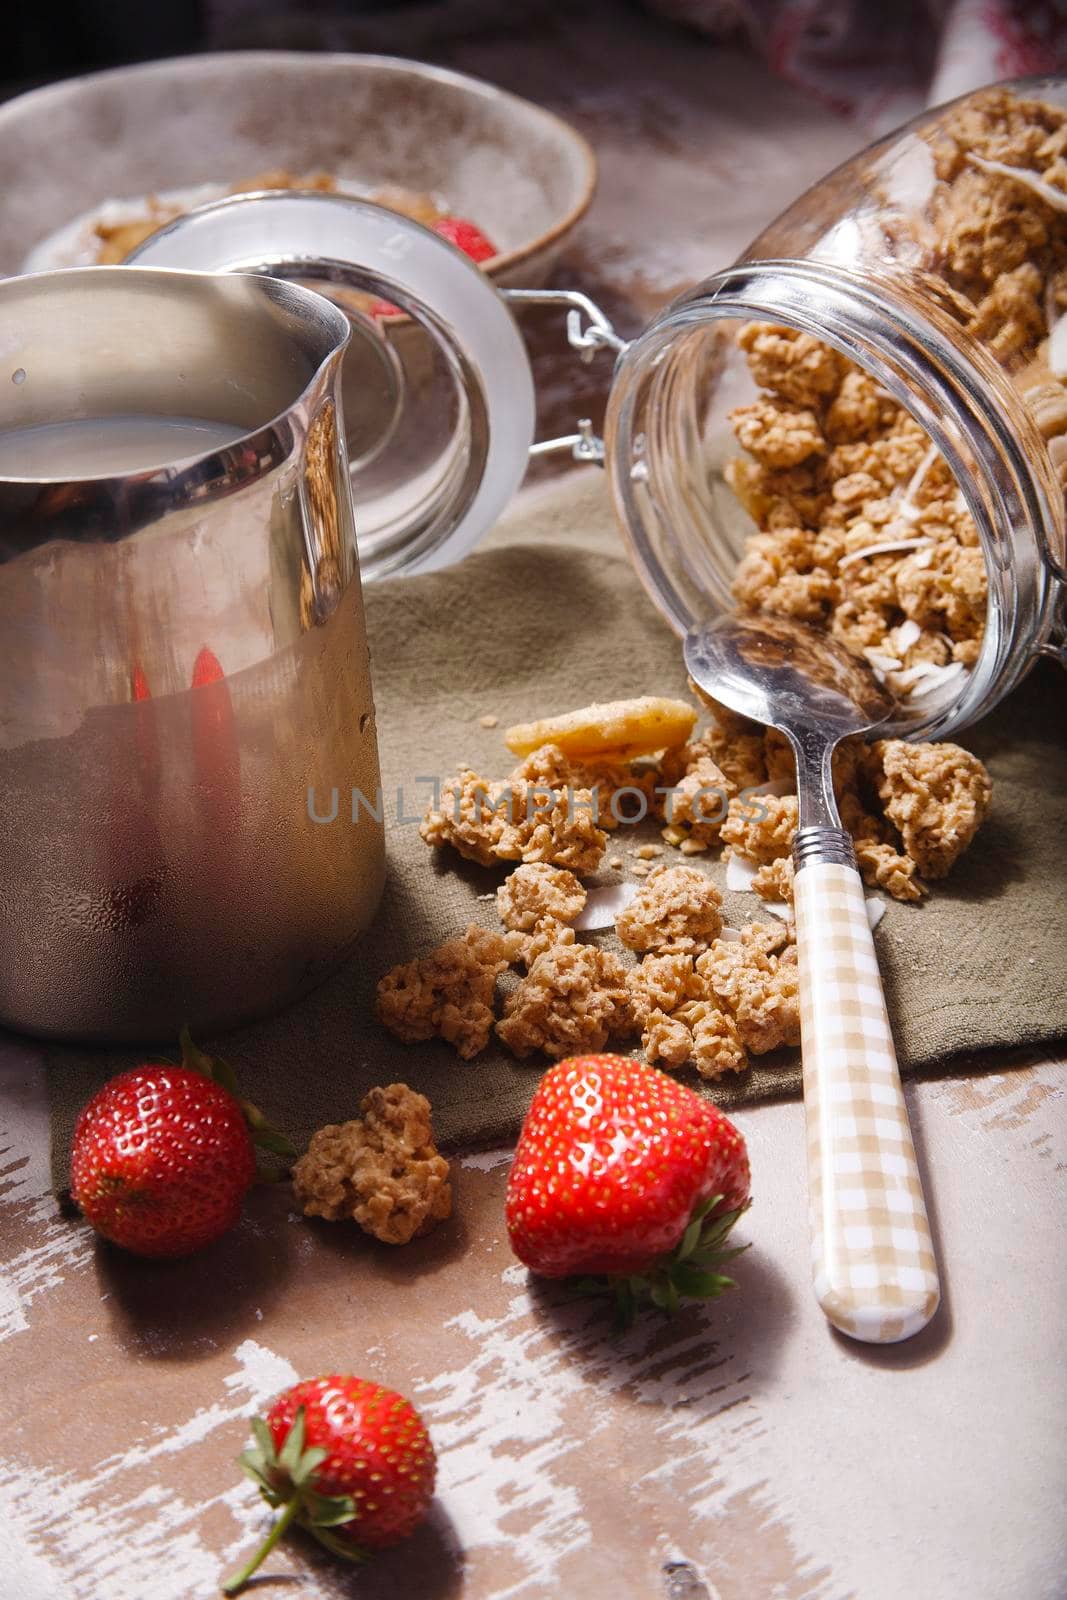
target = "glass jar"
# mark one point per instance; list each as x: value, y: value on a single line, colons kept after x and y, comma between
x: 943, y: 276
x: 918, y: 291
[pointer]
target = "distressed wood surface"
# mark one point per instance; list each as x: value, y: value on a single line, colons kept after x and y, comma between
x: 738, y: 1452
x: 743, y: 1451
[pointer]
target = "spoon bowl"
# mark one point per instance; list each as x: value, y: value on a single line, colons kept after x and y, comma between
x: 782, y: 673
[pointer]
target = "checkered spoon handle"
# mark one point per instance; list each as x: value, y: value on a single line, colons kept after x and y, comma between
x: 872, y: 1259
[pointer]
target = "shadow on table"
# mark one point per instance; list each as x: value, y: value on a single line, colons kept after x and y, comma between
x: 396, y: 1264
x: 182, y: 1310
x: 937, y: 1335
x: 987, y: 873
x: 428, y: 1566
x: 706, y: 1348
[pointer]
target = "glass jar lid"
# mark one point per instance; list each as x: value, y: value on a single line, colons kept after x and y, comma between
x: 437, y: 391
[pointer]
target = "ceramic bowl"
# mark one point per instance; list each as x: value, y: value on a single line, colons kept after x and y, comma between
x: 523, y: 175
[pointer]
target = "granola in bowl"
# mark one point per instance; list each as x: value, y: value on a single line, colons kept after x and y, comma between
x: 105, y: 236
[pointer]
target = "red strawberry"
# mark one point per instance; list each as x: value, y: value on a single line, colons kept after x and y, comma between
x: 163, y: 1156
x: 346, y: 1459
x: 624, y: 1175
x: 466, y: 236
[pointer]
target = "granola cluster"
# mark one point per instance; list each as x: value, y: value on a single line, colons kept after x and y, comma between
x: 516, y: 819
x: 700, y: 994
x: 738, y: 996
x: 755, y: 978
x: 680, y: 1020
x: 538, y: 893
x: 540, y: 902
x: 448, y: 994
x: 574, y: 998
x: 678, y: 908
x: 935, y: 795
x: 761, y: 830
x: 381, y: 1170
x: 861, y: 528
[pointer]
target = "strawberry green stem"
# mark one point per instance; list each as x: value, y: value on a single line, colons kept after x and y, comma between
x: 235, y: 1584
x: 688, y: 1272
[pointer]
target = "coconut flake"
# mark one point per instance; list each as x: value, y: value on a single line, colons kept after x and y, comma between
x: 933, y: 669
x: 740, y: 872
x: 779, y: 787
x: 937, y: 678
x: 730, y: 935
x: 888, y: 547
x: 906, y: 511
x: 924, y: 678
x: 875, y: 910
x: 881, y: 661
x: 915, y: 482
x: 916, y: 674
x: 1057, y: 346
x: 603, y: 906
x: 1056, y: 198
x: 906, y: 635
x: 780, y: 909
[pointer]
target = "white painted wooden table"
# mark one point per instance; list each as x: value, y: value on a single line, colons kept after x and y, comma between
x: 743, y: 1451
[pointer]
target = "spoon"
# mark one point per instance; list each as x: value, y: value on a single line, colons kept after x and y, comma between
x: 873, y: 1261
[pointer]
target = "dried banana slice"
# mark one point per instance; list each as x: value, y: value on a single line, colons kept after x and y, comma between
x: 621, y: 728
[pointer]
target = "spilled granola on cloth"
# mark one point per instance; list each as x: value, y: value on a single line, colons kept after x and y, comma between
x: 517, y: 820
x: 709, y: 1008
x: 381, y: 1170
x: 677, y: 909
x: 756, y: 979
x: 681, y: 1020
x: 912, y: 809
x: 448, y: 994
x: 536, y: 892
x: 699, y: 995
x: 935, y: 795
x: 574, y: 998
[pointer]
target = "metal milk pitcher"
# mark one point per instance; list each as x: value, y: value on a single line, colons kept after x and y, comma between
x: 184, y: 656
